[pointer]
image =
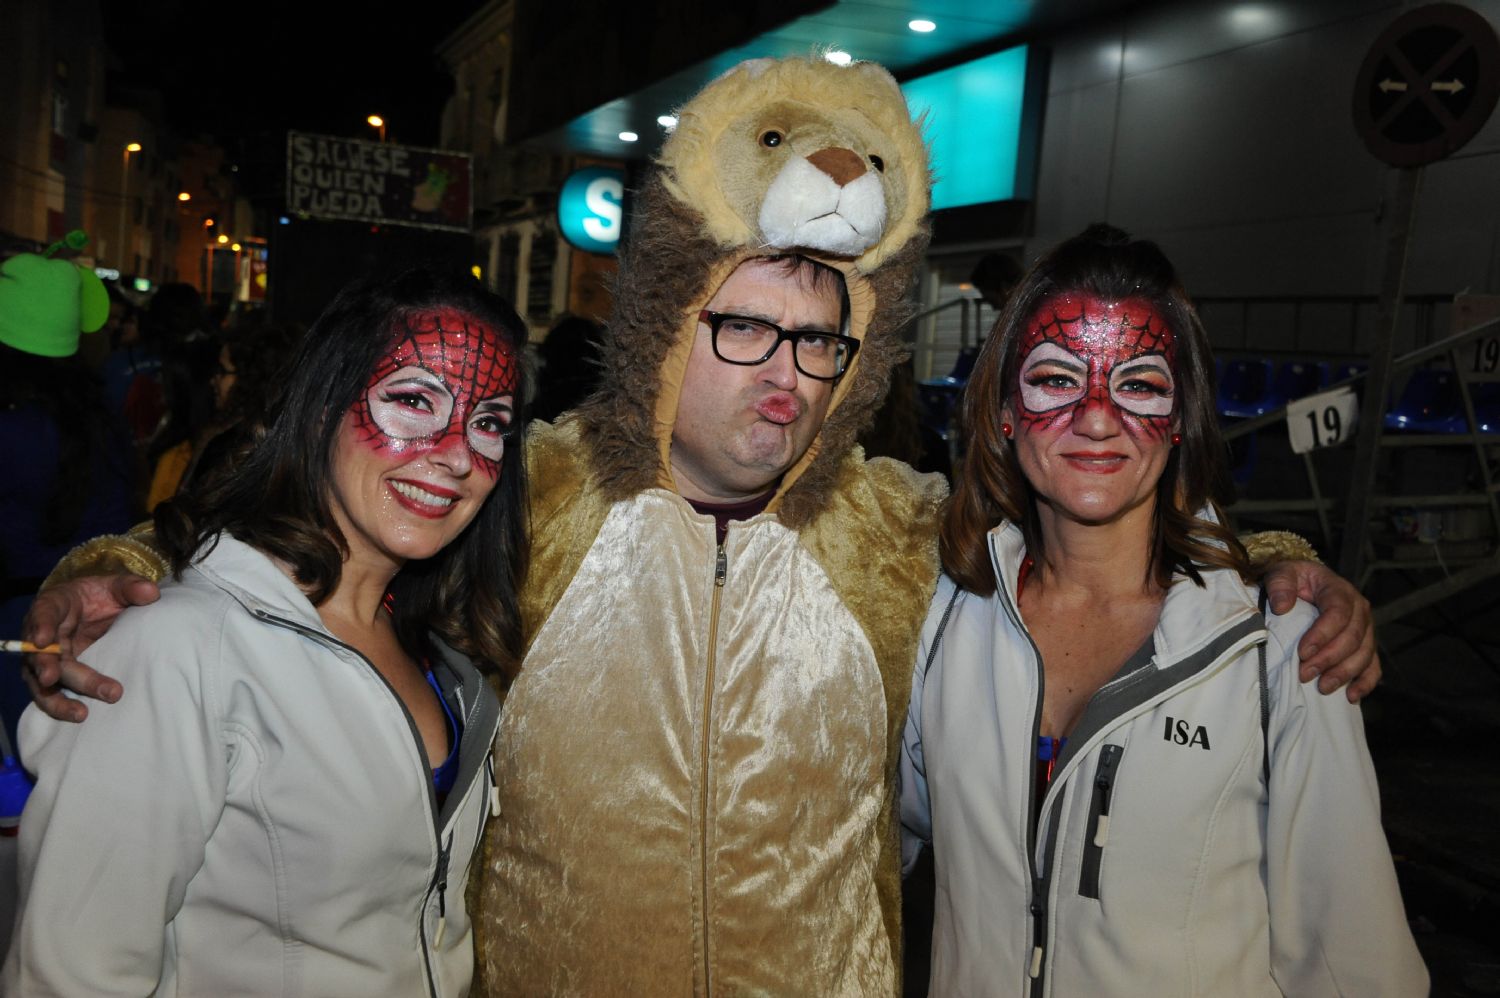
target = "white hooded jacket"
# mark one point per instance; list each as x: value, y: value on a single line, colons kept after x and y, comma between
x: 1161, y: 864
x: 254, y: 816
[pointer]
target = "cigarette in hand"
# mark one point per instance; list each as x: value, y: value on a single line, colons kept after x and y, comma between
x: 26, y: 646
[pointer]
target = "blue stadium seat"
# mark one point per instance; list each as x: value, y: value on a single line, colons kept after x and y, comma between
x: 1297, y: 379
x: 1486, y: 397
x: 1246, y: 389
x: 1346, y: 371
x: 1429, y: 403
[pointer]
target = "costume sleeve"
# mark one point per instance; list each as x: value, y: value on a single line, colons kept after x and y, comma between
x: 1270, y: 546
x: 1337, y: 921
x: 134, y: 552
x: 123, y: 807
x: 916, y: 808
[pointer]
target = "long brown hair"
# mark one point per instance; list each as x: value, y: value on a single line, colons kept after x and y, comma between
x: 991, y: 487
x: 277, y: 497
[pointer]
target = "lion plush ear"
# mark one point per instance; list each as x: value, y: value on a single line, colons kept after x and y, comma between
x: 801, y: 154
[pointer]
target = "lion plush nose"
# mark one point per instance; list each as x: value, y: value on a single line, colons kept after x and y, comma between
x: 829, y: 201
x: 841, y: 165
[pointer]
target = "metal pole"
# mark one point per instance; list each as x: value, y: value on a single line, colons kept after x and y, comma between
x: 124, y: 200
x: 1378, y: 384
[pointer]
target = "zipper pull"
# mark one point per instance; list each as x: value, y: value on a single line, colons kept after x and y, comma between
x: 440, y: 880
x: 489, y: 762
x: 721, y: 567
x: 1039, y: 928
x: 1104, y: 782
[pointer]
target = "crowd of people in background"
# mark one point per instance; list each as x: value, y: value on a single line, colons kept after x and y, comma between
x: 97, y: 439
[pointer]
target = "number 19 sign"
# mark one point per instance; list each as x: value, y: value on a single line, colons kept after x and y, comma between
x: 1322, y: 420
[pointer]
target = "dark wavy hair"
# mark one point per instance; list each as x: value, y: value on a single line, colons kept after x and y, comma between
x: 1105, y: 262
x: 277, y: 497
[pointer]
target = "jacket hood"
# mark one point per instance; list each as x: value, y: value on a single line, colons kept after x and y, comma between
x: 775, y: 157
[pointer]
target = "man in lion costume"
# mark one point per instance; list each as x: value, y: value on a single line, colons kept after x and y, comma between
x: 695, y: 762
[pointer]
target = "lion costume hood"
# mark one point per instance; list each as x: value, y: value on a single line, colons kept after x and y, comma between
x: 774, y: 157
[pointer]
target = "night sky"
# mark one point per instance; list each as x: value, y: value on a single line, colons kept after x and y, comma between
x: 246, y: 74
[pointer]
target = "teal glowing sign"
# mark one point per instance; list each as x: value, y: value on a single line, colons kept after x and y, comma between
x: 974, y: 114
x: 589, y: 209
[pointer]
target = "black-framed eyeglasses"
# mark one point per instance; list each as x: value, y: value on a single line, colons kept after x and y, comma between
x: 739, y: 339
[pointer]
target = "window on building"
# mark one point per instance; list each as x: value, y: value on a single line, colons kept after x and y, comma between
x: 505, y: 267
x: 539, y: 276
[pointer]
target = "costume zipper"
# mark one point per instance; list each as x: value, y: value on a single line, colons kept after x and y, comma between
x: 1093, y: 850
x: 721, y: 568
x: 432, y: 809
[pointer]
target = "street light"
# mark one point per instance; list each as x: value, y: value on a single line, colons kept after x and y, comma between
x: 125, y: 196
x: 376, y: 121
x: 184, y: 196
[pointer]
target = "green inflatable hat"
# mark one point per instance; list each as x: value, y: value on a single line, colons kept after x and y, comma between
x: 46, y: 304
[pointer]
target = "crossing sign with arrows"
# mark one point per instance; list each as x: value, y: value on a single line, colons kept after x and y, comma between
x: 1428, y: 84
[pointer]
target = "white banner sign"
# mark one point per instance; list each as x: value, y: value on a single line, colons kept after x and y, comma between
x: 1322, y: 420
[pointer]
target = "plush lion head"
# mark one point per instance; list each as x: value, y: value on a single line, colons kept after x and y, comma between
x: 801, y: 154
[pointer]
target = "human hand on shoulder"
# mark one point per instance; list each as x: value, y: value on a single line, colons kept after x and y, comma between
x: 74, y: 615
x: 1339, y: 648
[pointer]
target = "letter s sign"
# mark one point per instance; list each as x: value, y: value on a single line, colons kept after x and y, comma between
x: 589, y: 209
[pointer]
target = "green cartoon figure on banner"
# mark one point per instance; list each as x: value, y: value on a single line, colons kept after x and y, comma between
x: 428, y: 195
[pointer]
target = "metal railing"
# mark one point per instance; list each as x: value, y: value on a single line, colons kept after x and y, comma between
x: 1478, y: 566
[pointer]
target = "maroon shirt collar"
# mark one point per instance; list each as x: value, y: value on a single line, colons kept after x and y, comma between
x: 725, y: 512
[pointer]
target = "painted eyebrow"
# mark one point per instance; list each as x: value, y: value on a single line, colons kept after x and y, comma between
x: 497, y: 402
x: 1066, y: 364
x: 1145, y: 364
x: 424, y: 380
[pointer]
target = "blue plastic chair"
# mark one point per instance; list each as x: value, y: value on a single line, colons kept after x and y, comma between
x: 1346, y: 371
x: 1297, y: 379
x: 1486, y: 396
x: 1246, y: 389
x: 1429, y: 403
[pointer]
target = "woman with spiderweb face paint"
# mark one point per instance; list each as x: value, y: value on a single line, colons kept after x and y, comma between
x: 420, y: 450
x: 1107, y: 737
x: 1093, y: 405
x: 297, y: 776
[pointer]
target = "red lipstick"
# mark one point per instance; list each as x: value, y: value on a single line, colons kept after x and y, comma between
x: 432, y: 502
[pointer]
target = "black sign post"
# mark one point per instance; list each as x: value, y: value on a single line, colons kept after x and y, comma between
x: 1428, y: 84
x: 1426, y: 87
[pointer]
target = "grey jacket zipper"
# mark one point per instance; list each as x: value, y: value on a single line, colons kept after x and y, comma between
x: 1093, y: 850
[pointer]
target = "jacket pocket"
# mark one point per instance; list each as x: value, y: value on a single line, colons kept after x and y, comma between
x: 1098, y: 826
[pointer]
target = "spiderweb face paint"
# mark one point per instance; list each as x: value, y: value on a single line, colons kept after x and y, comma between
x: 1080, y: 351
x: 447, y: 378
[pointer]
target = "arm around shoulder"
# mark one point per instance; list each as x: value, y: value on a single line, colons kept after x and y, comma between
x: 131, y: 553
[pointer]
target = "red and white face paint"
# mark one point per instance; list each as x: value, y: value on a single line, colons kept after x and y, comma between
x: 447, y: 378
x: 419, y: 452
x: 1080, y: 351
